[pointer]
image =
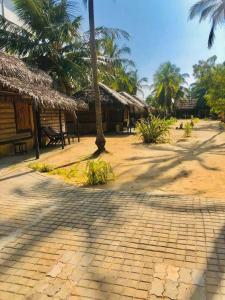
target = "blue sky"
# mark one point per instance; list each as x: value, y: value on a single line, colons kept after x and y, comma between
x: 160, y: 31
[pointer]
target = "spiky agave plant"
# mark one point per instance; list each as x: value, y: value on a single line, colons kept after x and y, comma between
x: 153, y: 130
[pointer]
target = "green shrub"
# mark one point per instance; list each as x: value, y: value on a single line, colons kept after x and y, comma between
x: 196, y: 120
x: 41, y: 167
x: 98, y: 172
x: 66, y: 172
x: 153, y: 130
x: 171, y: 121
x: 187, y: 129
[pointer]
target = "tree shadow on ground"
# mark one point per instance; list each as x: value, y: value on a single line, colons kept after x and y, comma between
x: 179, y: 154
x: 88, y: 217
x: 61, y: 209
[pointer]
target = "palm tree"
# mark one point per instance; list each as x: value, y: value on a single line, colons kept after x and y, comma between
x: 49, y: 39
x: 214, y: 10
x: 168, y: 86
x: 100, y: 139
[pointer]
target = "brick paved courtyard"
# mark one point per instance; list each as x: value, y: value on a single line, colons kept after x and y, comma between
x: 59, y: 242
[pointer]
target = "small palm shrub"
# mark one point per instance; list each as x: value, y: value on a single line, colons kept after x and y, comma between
x: 99, y: 172
x: 187, y: 129
x: 196, y: 120
x: 41, y: 167
x: 171, y: 121
x: 153, y: 130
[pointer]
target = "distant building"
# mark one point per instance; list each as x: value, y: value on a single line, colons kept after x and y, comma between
x: 186, y: 108
x: 7, y: 10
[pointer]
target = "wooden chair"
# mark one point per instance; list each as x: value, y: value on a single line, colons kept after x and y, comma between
x: 64, y: 135
x: 54, y: 137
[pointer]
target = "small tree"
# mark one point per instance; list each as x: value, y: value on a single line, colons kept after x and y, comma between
x: 215, y: 96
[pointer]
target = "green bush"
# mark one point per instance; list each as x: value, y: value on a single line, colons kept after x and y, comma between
x: 153, y: 130
x: 41, y: 167
x: 187, y: 129
x: 196, y: 120
x: 66, y: 172
x: 171, y: 121
x: 98, y: 172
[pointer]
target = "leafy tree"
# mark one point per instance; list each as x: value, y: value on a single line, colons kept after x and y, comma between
x: 215, y: 95
x: 168, y: 86
x: 49, y: 39
x: 203, y: 73
x: 214, y: 10
x: 152, y: 101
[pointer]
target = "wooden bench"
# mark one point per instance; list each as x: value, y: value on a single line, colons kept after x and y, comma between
x: 16, y: 138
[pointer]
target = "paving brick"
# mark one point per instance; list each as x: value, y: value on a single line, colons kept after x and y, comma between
x: 64, y: 242
x: 157, y: 287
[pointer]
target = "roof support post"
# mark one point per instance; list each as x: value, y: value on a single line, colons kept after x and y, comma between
x: 78, y: 127
x: 36, y: 131
x: 60, y: 125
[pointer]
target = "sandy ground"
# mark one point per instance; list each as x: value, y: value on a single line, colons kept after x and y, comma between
x: 194, y: 165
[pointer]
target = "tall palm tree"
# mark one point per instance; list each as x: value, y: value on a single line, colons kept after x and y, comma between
x: 168, y: 86
x: 214, y: 10
x: 100, y: 138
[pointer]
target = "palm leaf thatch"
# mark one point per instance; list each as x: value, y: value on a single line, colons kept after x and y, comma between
x: 135, y: 100
x: 107, y: 95
x: 36, y: 84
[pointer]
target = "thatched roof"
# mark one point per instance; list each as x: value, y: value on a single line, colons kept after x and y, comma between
x: 17, y: 76
x: 107, y: 95
x: 188, y: 104
x: 134, y: 100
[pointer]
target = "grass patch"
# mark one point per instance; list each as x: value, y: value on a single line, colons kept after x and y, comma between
x: 171, y: 121
x: 195, y: 120
x: 68, y: 173
x: 99, y: 172
x: 41, y: 167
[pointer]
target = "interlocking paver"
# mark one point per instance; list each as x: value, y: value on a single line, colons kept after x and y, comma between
x: 61, y: 242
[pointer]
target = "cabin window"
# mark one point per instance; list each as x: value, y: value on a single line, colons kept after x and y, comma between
x: 22, y: 113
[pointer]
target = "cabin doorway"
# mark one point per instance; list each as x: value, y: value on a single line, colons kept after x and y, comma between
x: 71, y: 123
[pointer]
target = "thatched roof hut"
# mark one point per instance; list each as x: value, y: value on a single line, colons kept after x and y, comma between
x: 107, y: 95
x: 136, y: 101
x: 36, y: 84
x: 188, y: 104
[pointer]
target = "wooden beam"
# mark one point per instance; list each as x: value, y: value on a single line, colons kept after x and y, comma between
x: 78, y: 128
x: 36, y: 140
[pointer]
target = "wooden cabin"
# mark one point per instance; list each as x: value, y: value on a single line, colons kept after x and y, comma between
x: 186, y: 108
x: 138, y: 107
x: 27, y: 103
x: 116, y: 109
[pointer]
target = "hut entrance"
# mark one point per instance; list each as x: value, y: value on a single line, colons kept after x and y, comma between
x: 71, y: 123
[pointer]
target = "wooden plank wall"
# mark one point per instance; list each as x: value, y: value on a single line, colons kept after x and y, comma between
x: 51, y: 118
x: 7, y: 120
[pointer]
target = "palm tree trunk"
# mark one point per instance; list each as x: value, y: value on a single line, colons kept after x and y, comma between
x: 100, y: 139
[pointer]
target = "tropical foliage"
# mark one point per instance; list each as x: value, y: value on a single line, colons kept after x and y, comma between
x: 187, y: 129
x: 48, y: 39
x: 203, y: 74
x: 168, y: 86
x: 51, y: 39
x: 99, y: 172
x: 216, y: 93
x: 153, y: 130
x: 214, y: 10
